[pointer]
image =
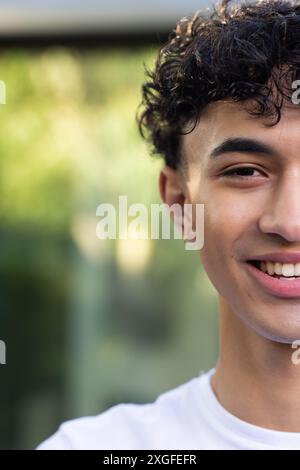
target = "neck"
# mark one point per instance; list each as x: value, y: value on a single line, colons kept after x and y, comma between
x: 255, y: 378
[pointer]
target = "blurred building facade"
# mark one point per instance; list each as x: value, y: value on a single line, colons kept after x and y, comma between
x: 87, y: 323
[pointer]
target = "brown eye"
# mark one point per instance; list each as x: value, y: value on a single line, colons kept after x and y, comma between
x: 245, y: 171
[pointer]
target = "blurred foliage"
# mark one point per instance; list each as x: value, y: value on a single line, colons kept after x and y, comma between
x: 87, y: 323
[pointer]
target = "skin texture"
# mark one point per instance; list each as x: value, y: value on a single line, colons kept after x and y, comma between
x: 255, y: 377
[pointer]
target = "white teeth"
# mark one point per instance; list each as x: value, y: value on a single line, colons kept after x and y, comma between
x: 281, y: 269
x: 297, y: 269
x: 278, y: 268
x: 263, y: 266
x: 270, y: 268
x: 288, y: 270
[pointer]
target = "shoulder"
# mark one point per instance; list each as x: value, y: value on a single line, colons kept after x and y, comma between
x: 116, y: 427
x: 130, y: 425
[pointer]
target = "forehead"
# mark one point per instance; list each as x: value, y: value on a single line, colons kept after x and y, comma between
x: 225, y: 119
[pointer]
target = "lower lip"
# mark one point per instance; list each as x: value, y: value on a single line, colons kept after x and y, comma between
x: 280, y: 287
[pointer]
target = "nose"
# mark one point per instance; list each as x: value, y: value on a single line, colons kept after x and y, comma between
x: 282, y: 214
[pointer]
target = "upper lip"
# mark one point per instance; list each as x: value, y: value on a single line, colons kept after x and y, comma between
x: 280, y: 257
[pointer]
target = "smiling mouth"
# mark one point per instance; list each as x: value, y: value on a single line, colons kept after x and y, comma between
x: 284, y: 271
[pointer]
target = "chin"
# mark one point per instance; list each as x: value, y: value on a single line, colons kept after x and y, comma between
x: 286, y: 329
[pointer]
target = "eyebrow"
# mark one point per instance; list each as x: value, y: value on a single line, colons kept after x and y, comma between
x: 243, y: 145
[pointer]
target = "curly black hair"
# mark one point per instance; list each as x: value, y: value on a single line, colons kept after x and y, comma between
x: 251, y: 50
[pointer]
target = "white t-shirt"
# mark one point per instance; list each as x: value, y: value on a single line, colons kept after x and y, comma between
x: 188, y: 417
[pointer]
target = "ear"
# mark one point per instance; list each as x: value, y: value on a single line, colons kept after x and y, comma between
x: 171, y: 186
x: 173, y: 191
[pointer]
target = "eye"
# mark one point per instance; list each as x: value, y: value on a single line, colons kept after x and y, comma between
x: 242, y: 172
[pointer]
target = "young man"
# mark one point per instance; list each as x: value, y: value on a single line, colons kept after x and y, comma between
x: 222, y: 107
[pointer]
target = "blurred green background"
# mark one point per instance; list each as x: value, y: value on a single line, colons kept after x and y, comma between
x: 87, y: 323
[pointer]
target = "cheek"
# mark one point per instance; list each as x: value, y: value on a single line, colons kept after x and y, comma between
x: 217, y: 241
x: 231, y: 218
x: 226, y: 224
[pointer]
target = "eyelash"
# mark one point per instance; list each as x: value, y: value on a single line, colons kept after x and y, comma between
x: 233, y: 172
